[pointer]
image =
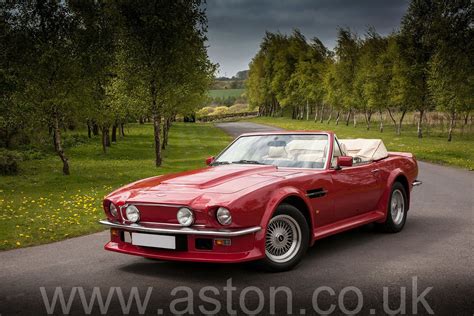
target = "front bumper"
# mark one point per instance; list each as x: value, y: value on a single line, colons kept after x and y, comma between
x: 246, y: 243
x: 161, y: 229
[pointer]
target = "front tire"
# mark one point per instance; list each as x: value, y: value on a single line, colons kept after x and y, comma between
x: 396, y: 209
x: 286, y: 239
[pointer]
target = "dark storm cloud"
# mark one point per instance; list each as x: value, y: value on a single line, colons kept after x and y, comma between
x: 236, y: 27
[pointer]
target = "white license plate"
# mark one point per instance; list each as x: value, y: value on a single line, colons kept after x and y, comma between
x: 156, y: 241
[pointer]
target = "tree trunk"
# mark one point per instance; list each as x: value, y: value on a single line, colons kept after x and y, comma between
x: 465, y: 120
x: 348, y: 117
x: 104, y: 130
x: 166, y: 129
x: 122, y: 129
x: 399, y: 127
x: 420, y: 121
x: 58, y: 144
x: 381, y: 122
x: 114, y: 133
x: 307, y: 110
x: 156, y: 116
x: 107, y: 137
x: 95, y: 129
x: 163, y: 132
x: 141, y: 120
x: 451, y: 125
x: 315, y: 113
x: 330, y: 116
x: 321, y: 117
x: 354, y: 118
x: 368, y: 117
x: 89, y: 129
x: 157, y: 135
x: 338, y: 117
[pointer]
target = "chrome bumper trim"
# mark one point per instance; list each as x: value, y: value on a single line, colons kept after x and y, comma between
x: 181, y: 230
x: 417, y: 183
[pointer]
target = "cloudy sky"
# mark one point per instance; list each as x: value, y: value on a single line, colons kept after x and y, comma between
x: 236, y: 27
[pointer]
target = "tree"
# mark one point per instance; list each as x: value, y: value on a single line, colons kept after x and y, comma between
x: 401, y: 94
x: 332, y: 90
x: 12, y: 43
x: 161, y: 38
x: 347, y: 51
x: 307, y: 81
x: 417, y: 48
x: 50, y: 68
x: 451, y: 69
x: 98, y: 41
x: 371, y: 77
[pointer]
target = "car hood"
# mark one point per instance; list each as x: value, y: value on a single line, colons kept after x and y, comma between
x: 186, y: 187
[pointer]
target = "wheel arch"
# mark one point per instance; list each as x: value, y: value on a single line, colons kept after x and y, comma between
x: 396, y: 175
x: 294, y: 197
x: 401, y: 178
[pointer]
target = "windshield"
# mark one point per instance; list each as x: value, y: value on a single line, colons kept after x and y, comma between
x: 298, y: 151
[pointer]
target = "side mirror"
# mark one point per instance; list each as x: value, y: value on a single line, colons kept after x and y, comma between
x: 209, y: 160
x: 344, y: 161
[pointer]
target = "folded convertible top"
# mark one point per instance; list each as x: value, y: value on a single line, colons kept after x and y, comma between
x: 365, y: 149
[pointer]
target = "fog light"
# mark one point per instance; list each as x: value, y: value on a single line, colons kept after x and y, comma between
x: 113, y: 210
x: 132, y: 213
x: 223, y: 216
x: 185, y: 216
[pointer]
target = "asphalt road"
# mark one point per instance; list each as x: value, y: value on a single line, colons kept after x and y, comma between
x: 435, y: 251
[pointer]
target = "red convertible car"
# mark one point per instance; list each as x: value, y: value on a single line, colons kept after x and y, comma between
x: 266, y: 197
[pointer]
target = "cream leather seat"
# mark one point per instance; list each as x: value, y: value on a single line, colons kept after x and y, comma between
x: 277, y: 153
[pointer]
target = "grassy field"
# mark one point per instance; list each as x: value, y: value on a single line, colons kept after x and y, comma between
x: 226, y: 93
x: 433, y: 148
x: 41, y: 205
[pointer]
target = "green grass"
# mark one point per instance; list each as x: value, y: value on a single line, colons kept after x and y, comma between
x: 433, y: 147
x: 41, y: 205
x: 225, y: 93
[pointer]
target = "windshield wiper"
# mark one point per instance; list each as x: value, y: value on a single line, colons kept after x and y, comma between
x: 217, y: 163
x: 250, y: 162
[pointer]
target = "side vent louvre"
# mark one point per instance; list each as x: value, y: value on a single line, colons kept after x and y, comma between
x: 315, y: 193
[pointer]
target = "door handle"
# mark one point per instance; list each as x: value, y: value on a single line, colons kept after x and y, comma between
x: 375, y: 170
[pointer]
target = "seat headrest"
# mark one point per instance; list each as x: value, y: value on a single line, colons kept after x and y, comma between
x: 343, y: 149
x: 276, y: 152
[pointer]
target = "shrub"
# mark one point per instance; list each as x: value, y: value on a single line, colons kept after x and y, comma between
x: 205, y: 111
x: 239, y: 108
x: 9, y: 161
x: 220, y: 110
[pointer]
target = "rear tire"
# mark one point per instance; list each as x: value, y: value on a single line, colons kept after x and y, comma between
x: 396, y: 210
x: 286, y: 239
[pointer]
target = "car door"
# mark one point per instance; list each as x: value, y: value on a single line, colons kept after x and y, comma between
x: 356, y: 188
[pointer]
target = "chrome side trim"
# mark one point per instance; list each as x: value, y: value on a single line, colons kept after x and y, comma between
x: 417, y: 183
x: 181, y: 230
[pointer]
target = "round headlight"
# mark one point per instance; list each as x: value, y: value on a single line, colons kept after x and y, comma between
x: 185, y: 216
x: 223, y: 216
x: 132, y: 213
x: 113, y: 210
